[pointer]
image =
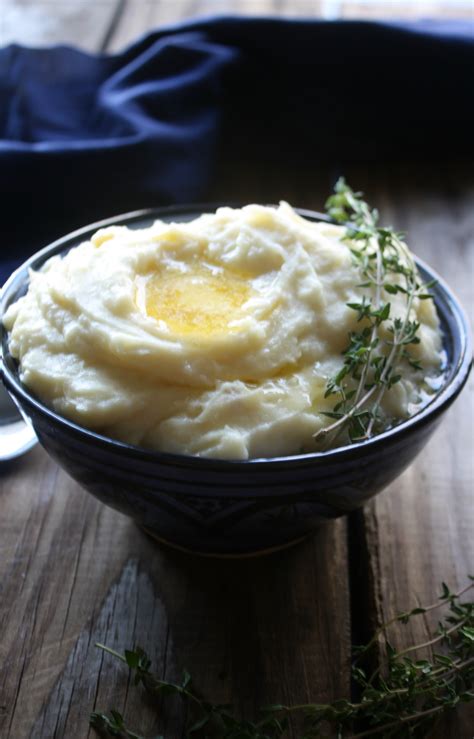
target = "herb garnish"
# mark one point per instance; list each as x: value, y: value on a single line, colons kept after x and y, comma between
x: 377, y: 354
x: 403, y: 699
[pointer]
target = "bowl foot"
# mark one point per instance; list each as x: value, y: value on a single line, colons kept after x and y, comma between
x: 223, y: 555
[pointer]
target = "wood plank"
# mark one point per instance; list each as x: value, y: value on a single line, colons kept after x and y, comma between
x: 374, y: 10
x: 73, y: 572
x: 420, y: 531
x: 141, y: 16
x: 138, y: 18
x: 79, y: 22
x: 87, y: 24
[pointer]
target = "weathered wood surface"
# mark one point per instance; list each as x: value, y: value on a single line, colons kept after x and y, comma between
x: 73, y: 572
x: 111, y: 24
x: 79, y: 22
x: 421, y: 528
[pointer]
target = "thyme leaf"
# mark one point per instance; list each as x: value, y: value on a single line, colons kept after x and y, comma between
x: 378, y: 354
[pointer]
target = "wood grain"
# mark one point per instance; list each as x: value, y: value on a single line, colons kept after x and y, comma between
x: 73, y: 572
x: 79, y: 22
x: 420, y: 530
x: 141, y: 16
x: 373, y: 10
x: 112, y: 24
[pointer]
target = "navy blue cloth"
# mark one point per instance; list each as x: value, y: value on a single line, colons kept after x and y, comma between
x: 84, y: 137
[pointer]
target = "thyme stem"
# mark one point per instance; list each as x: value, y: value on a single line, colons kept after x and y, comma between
x: 374, y: 328
x: 435, y: 639
x: 403, y: 719
x: 426, y: 609
x: 372, y: 363
x: 390, y: 362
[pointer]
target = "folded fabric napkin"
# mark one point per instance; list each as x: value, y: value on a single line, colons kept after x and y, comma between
x: 84, y: 137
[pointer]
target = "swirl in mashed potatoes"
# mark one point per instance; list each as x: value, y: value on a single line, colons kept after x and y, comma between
x: 214, y: 337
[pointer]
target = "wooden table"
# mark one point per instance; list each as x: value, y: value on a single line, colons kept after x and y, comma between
x: 274, y: 629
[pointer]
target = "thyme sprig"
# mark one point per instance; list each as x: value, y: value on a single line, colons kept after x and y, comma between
x: 402, y: 699
x: 379, y: 352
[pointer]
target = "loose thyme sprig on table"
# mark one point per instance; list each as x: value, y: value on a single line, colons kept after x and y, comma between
x: 400, y: 700
x: 377, y: 354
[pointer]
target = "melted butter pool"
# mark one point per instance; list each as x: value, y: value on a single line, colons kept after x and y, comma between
x: 199, y: 303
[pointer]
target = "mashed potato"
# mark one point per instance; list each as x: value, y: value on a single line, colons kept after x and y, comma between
x: 214, y: 337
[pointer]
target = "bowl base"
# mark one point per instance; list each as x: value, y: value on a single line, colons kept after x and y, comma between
x: 223, y: 555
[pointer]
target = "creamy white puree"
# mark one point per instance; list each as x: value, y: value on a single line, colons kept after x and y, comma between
x: 214, y: 337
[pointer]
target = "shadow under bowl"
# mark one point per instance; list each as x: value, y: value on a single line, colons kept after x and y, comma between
x: 232, y: 508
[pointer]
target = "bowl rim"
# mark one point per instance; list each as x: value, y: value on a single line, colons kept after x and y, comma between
x: 441, y: 400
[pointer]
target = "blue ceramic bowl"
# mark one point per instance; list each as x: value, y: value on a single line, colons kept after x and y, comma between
x: 228, y: 507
